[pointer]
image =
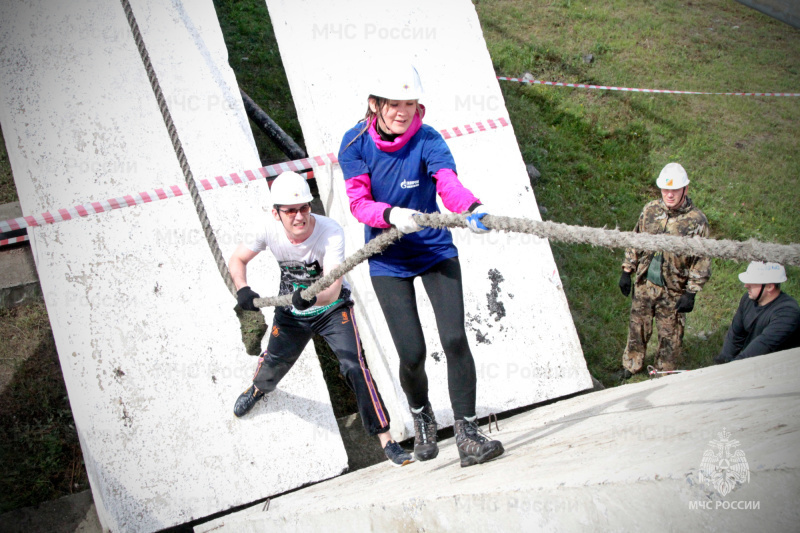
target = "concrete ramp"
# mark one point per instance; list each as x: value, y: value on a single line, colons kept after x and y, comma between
x: 518, y: 320
x: 787, y: 11
x: 650, y: 456
x: 145, y: 330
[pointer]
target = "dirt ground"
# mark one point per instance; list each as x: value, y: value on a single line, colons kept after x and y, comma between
x: 40, y: 457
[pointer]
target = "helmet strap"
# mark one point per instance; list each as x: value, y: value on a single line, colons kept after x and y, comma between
x: 758, y: 299
x: 681, y: 201
x: 683, y: 197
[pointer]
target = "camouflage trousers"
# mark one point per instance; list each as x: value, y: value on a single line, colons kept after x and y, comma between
x: 653, y: 302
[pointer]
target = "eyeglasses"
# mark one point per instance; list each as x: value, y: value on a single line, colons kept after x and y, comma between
x: 292, y: 211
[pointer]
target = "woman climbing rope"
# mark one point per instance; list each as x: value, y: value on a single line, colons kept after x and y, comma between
x: 395, y: 166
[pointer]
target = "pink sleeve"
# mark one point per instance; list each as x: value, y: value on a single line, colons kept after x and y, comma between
x: 455, y: 196
x: 362, y: 205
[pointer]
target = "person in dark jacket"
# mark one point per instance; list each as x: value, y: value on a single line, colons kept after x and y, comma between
x: 767, y: 320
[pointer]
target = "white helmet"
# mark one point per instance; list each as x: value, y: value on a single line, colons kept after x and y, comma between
x: 759, y: 273
x: 398, y: 82
x: 290, y: 188
x: 673, y: 176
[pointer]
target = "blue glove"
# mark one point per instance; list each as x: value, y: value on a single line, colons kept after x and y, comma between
x: 474, y: 220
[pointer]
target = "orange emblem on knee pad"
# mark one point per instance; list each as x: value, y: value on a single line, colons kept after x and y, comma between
x: 275, y: 331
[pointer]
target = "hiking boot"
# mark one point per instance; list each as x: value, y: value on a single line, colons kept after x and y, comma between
x: 397, y: 455
x: 247, y: 400
x: 473, y: 447
x: 425, y: 447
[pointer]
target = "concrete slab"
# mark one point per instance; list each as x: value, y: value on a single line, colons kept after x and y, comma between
x: 77, y: 514
x: 10, y: 210
x: 521, y: 331
x: 147, y: 338
x: 631, y: 458
x: 787, y: 11
x: 19, y: 282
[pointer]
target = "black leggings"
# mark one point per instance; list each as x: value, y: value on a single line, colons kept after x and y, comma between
x: 398, y: 301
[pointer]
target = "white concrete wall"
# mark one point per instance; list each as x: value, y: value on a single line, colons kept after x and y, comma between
x: 328, y: 50
x: 148, y: 341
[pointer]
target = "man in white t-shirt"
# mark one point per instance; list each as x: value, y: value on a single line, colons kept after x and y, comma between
x: 306, y: 247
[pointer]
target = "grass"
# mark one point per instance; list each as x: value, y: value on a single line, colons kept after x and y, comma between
x: 40, y: 455
x: 8, y: 192
x: 598, y: 153
x: 254, y: 57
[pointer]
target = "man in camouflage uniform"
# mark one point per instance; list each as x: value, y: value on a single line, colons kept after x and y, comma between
x: 664, y: 284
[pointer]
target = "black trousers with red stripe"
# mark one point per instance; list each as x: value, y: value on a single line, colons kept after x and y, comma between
x: 289, y: 336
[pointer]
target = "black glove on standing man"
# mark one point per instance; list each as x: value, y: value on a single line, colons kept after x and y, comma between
x: 625, y: 283
x: 686, y: 303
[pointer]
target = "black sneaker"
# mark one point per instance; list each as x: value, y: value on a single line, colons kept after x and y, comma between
x: 425, y: 447
x: 397, y: 455
x: 473, y: 447
x: 247, y: 400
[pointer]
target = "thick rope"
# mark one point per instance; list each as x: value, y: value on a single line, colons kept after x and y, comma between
x: 176, y: 145
x: 752, y: 250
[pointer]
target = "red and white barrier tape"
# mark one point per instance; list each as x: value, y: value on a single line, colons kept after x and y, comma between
x: 474, y: 128
x: 298, y: 165
x: 634, y: 90
x: 13, y: 240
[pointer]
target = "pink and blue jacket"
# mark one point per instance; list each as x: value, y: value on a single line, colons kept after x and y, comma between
x: 406, y: 172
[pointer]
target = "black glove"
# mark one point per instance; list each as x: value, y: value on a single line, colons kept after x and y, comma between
x: 245, y: 297
x: 625, y: 283
x: 299, y: 302
x: 721, y: 358
x: 686, y: 303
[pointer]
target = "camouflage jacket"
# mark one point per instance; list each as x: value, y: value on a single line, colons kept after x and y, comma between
x: 680, y: 273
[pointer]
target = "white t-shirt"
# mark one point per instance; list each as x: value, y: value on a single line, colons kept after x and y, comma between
x: 301, y: 264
